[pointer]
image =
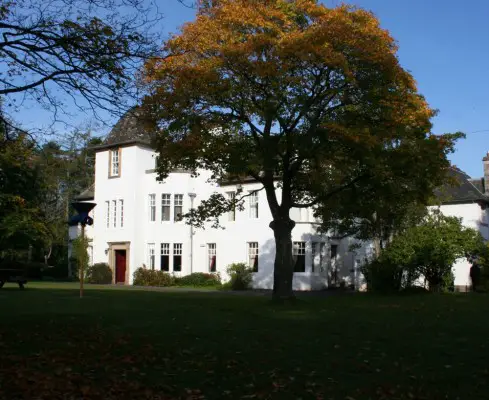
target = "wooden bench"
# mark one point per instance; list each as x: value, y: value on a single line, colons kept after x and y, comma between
x: 13, y: 276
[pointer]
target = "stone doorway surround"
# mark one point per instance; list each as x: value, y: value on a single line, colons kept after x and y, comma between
x: 113, y: 246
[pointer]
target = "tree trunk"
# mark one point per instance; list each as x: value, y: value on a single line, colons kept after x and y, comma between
x: 283, y: 271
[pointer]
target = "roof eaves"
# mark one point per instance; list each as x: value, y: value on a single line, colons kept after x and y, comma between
x: 127, y: 143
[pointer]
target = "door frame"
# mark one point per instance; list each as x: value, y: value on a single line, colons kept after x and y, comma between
x: 113, y: 246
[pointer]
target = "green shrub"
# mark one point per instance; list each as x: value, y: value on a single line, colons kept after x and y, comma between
x: 99, y: 273
x: 199, y: 279
x: 240, y: 276
x: 149, y: 277
x: 383, y: 276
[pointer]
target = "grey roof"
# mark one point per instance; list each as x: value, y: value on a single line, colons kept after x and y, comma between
x: 87, y: 194
x: 463, y: 189
x: 129, y: 129
x: 479, y: 184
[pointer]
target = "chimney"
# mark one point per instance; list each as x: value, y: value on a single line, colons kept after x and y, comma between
x: 485, y: 161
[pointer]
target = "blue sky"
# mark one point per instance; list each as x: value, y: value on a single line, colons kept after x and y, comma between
x: 445, y: 45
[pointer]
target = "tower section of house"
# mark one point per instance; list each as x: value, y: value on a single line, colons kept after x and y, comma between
x: 138, y: 222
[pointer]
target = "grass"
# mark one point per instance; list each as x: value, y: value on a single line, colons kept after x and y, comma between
x: 136, y: 344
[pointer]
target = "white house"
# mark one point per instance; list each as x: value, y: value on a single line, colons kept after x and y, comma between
x: 136, y: 222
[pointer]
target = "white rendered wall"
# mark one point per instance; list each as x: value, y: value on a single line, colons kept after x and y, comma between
x: 137, y: 181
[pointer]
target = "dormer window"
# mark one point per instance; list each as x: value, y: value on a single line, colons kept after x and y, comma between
x: 115, y: 163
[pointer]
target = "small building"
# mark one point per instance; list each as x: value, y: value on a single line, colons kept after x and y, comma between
x: 137, y: 222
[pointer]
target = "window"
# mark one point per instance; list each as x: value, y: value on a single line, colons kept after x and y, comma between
x: 151, y: 256
x: 178, y: 207
x: 232, y: 212
x: 334, y: 251
x: 253, y: 256
x: 165, y: 206
x: 254, y: 205
x: 114, y: 213
x: 107, y: 213
x: 177, y: 257
x: 299, y: 253
x: 165, y: 256
x: 152, y: 207
x: 211, y: 257
x: 299, y: 214
x: 114, y: 163
x: 121, y: 213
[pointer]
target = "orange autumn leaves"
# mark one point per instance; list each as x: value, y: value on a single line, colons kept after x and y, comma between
x: 267, y: 48
x: 284, y: 81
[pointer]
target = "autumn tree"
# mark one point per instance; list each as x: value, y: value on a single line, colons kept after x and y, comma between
x: 388, y: 206
x: 309, y: 101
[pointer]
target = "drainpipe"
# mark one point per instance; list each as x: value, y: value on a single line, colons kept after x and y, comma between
x: 192, y: 197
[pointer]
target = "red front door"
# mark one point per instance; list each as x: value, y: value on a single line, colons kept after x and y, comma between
x: 120, y: 266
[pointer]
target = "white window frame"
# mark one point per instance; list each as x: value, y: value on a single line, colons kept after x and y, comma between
x: 165, y: 251
x: 107, y: 214
x: 114, y: 213
x: 253, y: 204
x: 121, y: 213
x: 115, y: 162
x: 177, y: 203
x: 299, y: 249
x: 253, y: 253
x: 166, y: 203
x: 211, y: 252
x: 151, y: 256
x: 177, y: 251
x: 152, y: 207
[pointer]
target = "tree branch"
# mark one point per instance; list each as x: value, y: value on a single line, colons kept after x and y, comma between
x: 331, y: 193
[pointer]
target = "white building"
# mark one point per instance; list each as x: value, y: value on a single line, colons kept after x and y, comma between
x: 136, y: 223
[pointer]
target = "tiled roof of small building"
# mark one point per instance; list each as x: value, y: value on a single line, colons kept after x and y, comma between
x: 130, y: 128
x: 462, y: 190
x: 87, y: 194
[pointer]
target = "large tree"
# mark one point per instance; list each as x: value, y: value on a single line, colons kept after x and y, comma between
x: 309, y: 101
x: 21, y: 221
x: 65, y: 170
x: 74, y: 52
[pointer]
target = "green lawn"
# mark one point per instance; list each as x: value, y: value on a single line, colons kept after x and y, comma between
x: 134, y: 344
